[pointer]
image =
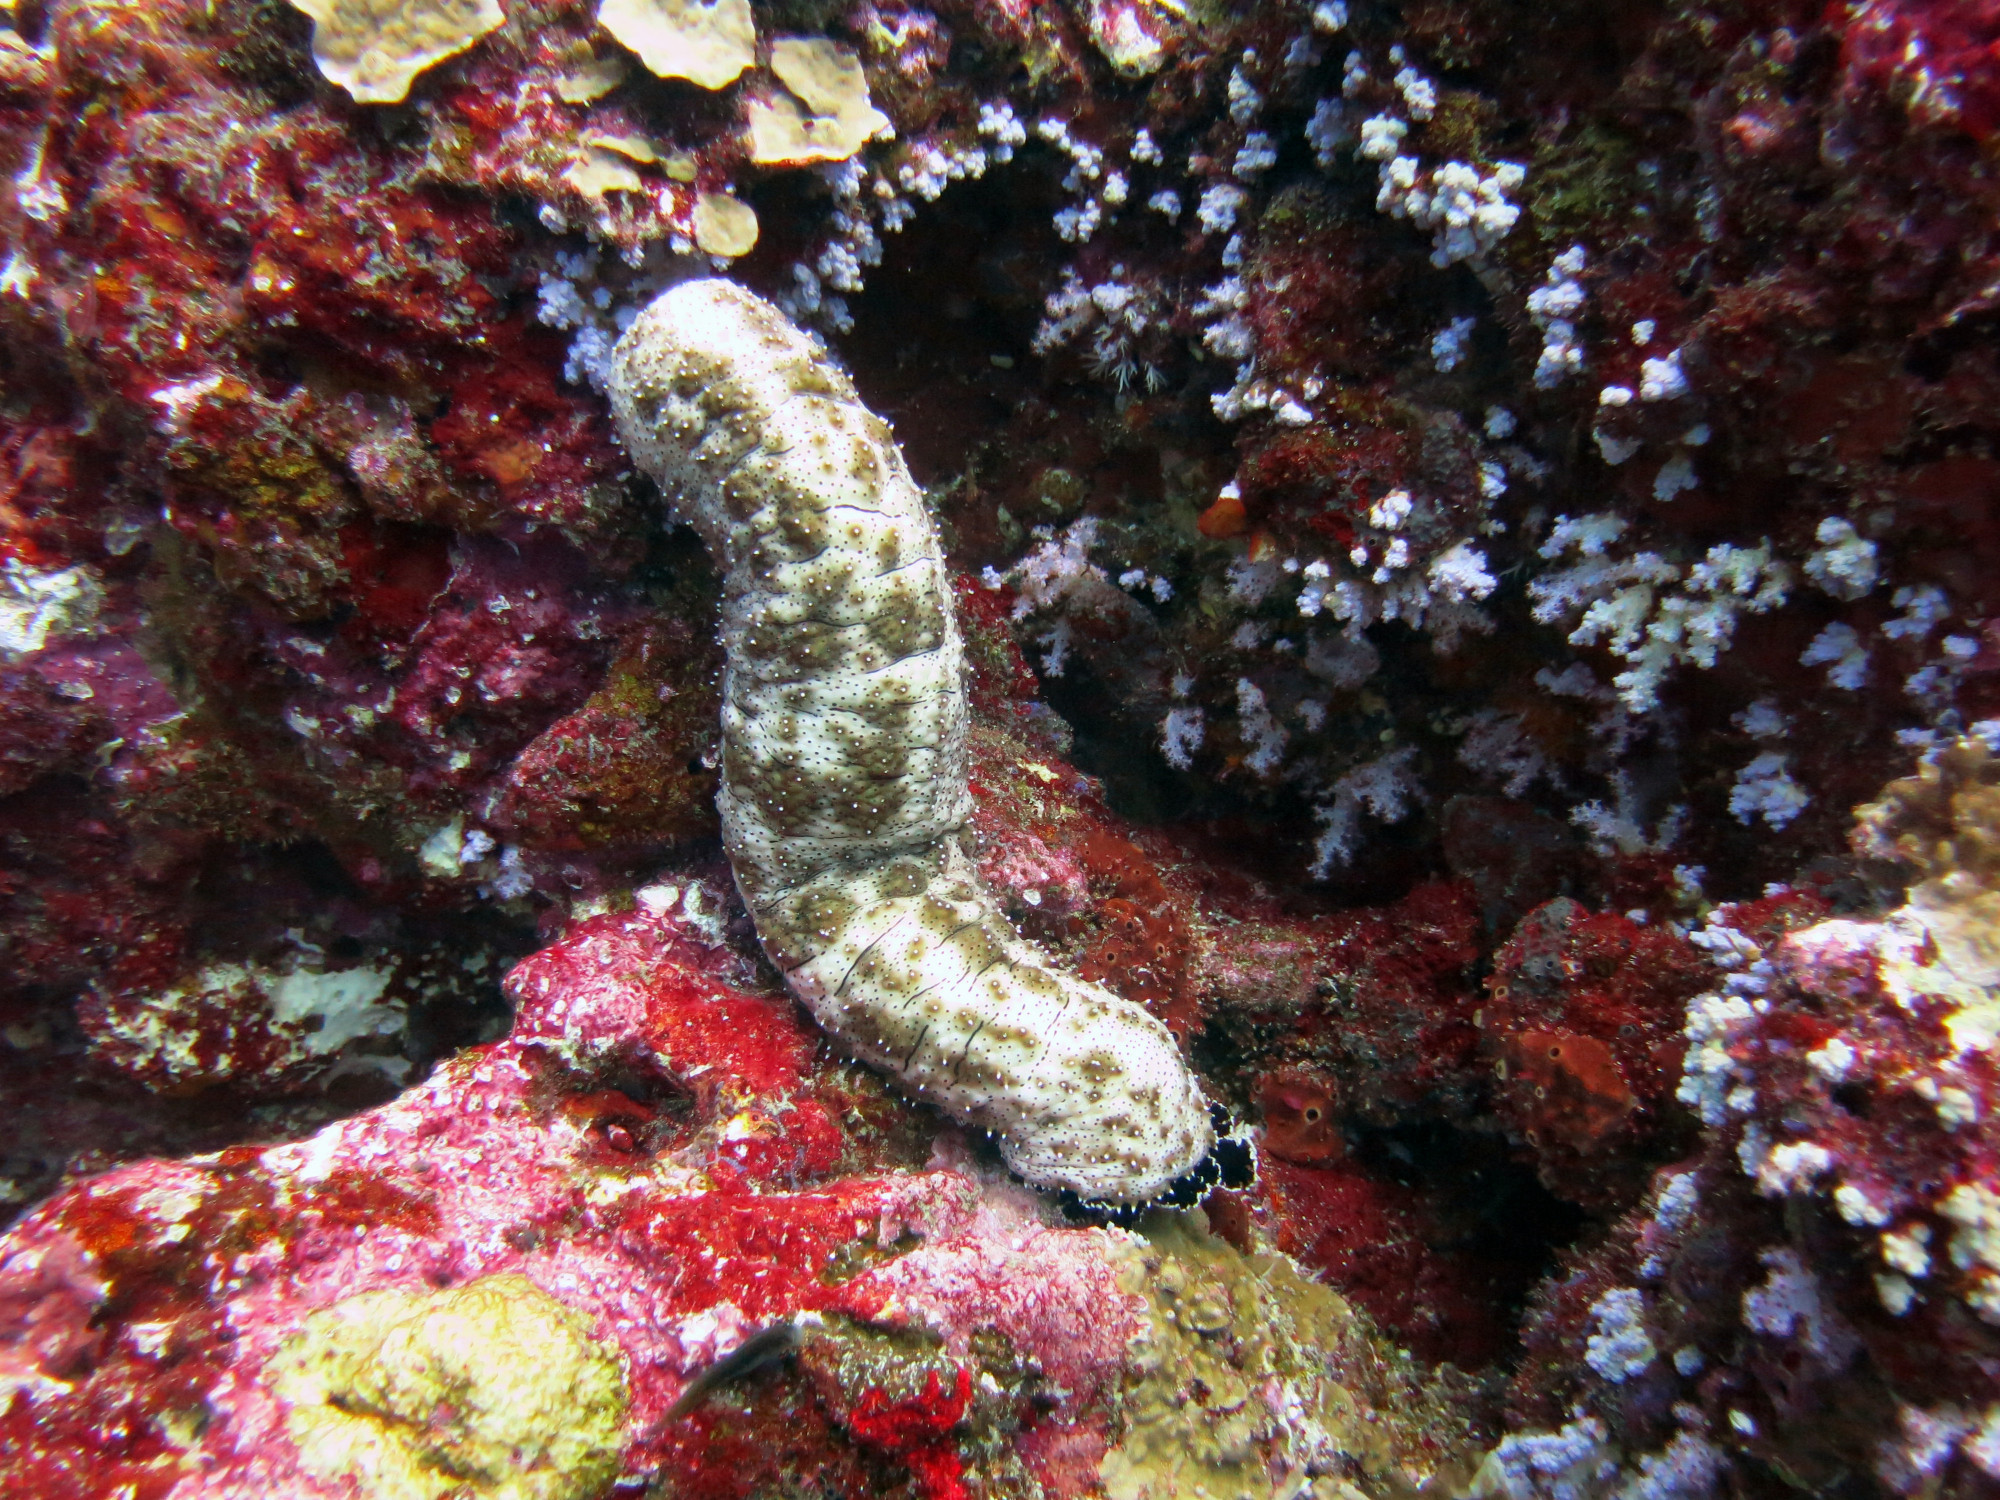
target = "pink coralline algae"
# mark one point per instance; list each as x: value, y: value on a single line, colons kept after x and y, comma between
x: 504, y: 1163
x: 1941, y: 62
x: 1583, y: 1027
x: 1841, y: 1196
x: 1473, y: 527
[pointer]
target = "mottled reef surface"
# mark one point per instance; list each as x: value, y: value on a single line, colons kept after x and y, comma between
x: 1476, y: 526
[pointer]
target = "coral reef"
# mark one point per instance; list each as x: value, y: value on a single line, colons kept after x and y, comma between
x: 1450, y: 507
x: 534, y: 1273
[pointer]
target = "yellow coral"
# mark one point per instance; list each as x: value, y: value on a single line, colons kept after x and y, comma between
x: 1944, y: 822
x: 375, y: 48
x: 708, y: 42
x: 605, y: 166
x: 599, y: 172
x: 724, y: 225
x: 590, y: 79
x: 825, y: 117
x: 631, y: 147
x: 491, y: 1390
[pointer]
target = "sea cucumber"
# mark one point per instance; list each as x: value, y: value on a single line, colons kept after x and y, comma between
x: 844, y: 793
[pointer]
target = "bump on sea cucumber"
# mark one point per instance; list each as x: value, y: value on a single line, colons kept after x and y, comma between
x: 844, y: 788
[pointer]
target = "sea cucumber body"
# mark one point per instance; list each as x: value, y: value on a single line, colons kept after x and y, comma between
x: 844, y: 793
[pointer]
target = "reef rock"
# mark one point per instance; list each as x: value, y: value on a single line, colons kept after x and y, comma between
x: 658, y: 1234
x: 1450, y: 508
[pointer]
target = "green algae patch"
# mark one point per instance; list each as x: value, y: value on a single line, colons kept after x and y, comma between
x: 493, y: 1389
x: 1579, y: 182
x: 1253, y: 1380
